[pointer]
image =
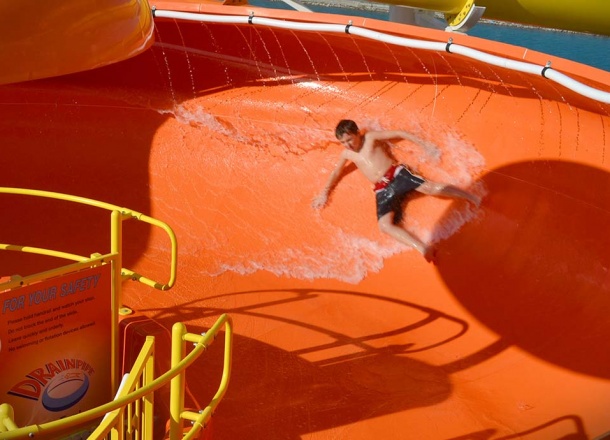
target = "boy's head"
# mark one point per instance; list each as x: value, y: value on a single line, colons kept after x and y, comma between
x: 348, y: 133
x: 346, y: 126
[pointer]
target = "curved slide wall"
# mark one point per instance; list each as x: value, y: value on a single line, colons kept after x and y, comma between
x: 226, y: 132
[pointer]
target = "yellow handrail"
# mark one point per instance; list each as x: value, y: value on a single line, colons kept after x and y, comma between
x: 130, y: 414
x: 125, y: 214
x: 177, y: 413
x: 117, y: 216
x: 141, y: 375
x: 41, y: 251
x: 17, y: 281
x: 201, y: 343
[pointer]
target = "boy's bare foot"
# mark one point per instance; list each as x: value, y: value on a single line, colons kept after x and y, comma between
x: 430, y: 254
x: 475, y: 200
x: 478, y: 202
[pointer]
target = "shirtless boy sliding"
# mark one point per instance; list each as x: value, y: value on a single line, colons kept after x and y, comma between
x: 392, y: 181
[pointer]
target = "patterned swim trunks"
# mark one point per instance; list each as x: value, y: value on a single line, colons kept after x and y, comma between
x: 392, y: 188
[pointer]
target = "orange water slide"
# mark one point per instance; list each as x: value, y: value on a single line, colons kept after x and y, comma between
x: 225, y: 131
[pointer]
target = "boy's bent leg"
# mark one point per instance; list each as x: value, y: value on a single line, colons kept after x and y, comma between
x: 387, y: 226
x: 441, y: 189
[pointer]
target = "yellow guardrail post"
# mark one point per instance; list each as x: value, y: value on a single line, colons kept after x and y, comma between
x: 7, y: 418
x: 176, y: 403
x: 200, y: 419
x: 149, y: 400
x: 116, y: 243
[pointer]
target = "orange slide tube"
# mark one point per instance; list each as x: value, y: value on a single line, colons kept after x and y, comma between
x: 40, y: 40
x: 226, y: 132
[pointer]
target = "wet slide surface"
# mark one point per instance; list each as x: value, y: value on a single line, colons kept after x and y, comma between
x: 226, y: 133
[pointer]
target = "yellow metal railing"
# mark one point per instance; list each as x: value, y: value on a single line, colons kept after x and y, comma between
x: 130, y: 414
x: 117, y: 216
x: 136, y: 418
x: 177, y: 412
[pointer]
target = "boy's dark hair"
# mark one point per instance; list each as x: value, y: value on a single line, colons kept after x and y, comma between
x: 346, y: 126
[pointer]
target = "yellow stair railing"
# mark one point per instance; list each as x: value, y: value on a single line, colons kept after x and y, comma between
x: 117, y: 216
x: 130, y: 414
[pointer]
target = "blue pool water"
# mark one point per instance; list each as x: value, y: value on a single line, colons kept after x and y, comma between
x: 593, y: 50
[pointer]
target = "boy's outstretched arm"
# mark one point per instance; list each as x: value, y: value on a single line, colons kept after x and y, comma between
x: 320, y: 200
x: 430, y: 148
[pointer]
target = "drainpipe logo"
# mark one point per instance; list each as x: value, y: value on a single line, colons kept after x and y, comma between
x: 59, y: 385
x: 64, y: 391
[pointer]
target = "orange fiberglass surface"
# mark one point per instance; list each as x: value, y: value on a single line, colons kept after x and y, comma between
x: 226, y: 132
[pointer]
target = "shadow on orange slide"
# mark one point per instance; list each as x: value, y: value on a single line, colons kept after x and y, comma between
x: 225, y: 132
